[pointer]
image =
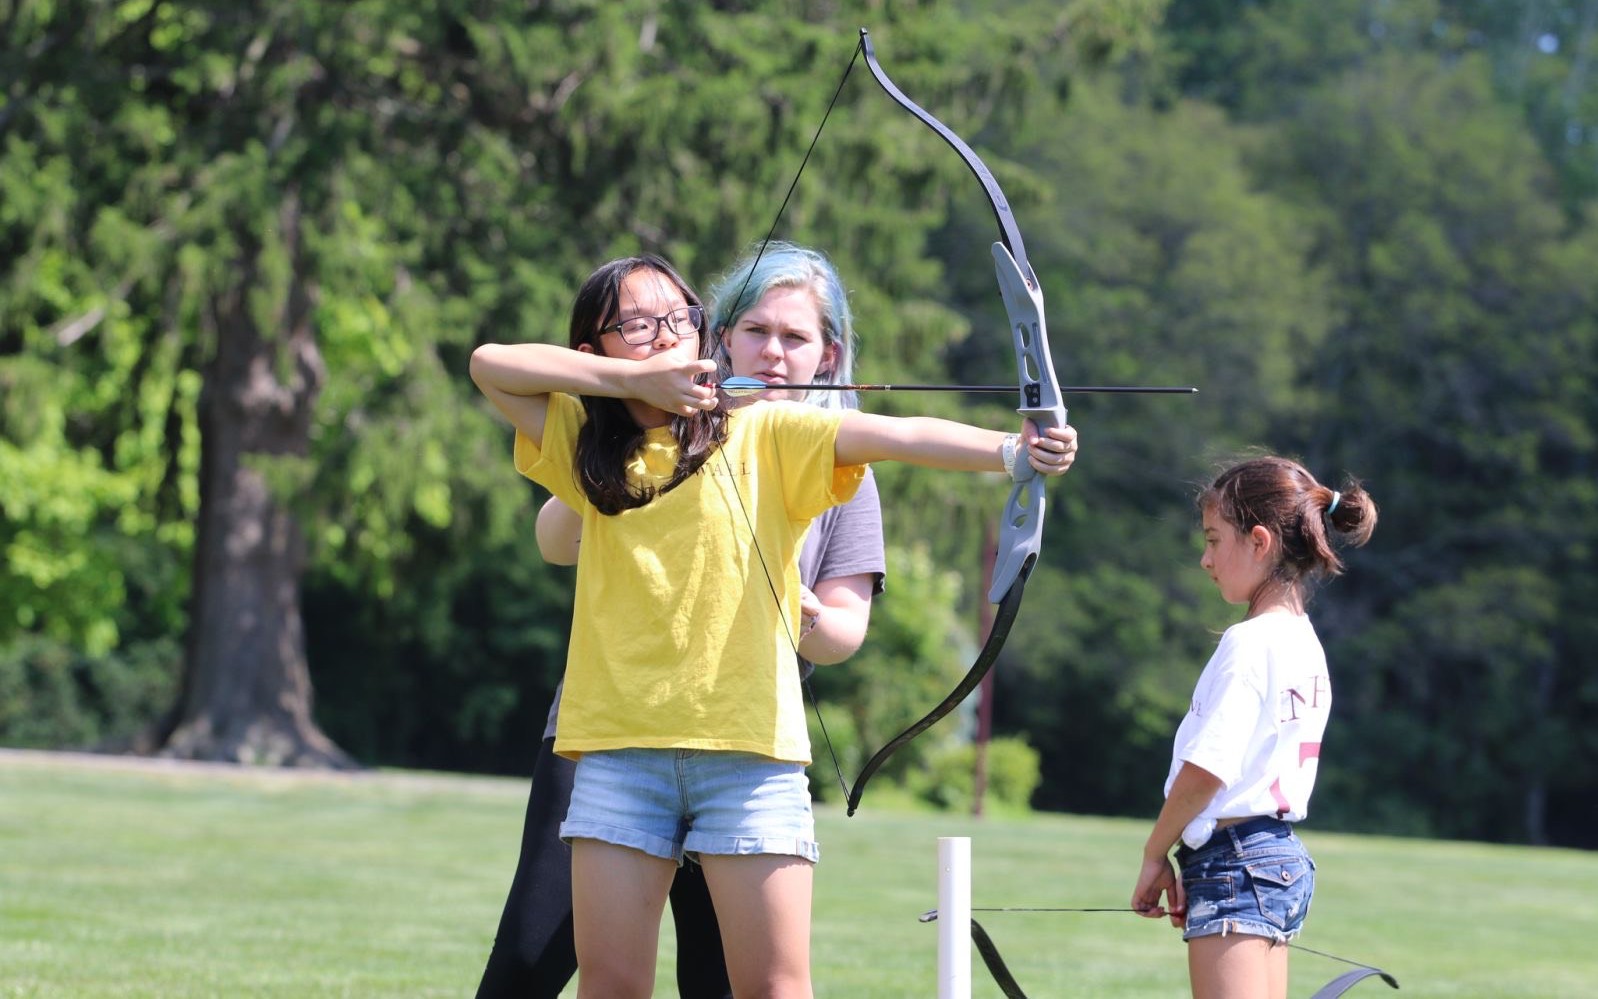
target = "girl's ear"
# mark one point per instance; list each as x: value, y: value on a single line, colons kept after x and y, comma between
x: 1262, y: 540
x: 829, y: 362
x: 586, y: 348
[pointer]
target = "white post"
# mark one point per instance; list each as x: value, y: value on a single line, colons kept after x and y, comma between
x: 954, y: 917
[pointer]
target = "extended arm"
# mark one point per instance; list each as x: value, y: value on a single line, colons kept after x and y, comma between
x: 926, y: 440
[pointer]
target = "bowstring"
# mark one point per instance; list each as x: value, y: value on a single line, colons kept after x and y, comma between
x: 1019, y: 908
x: 783, y: 208
x: 1334, y: 957
x: 931, y: 915
x: 782, y: 615
x: 737, y: 303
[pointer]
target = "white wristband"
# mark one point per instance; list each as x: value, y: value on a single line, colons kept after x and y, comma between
x: 1012, y: 443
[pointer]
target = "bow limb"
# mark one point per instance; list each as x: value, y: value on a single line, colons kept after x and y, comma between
x: 1021, y: 529
x: 1009, y: 234
x: 1007, y: 983
x: 1002, y: 619
x: 1348, y: 979
x: 990, y: 957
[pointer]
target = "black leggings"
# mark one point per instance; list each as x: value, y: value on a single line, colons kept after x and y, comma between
x: 534, y: 954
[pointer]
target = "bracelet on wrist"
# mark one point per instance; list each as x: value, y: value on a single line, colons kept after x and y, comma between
x: 1007, y: 451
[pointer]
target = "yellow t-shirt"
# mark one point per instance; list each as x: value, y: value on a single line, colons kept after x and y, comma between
x: 677, y: 641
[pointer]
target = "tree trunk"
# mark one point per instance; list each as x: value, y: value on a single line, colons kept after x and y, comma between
x: 246, y: 693
x: 1535, y: 799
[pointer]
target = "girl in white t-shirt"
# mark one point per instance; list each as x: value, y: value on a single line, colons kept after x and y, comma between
x: 1246, y: 754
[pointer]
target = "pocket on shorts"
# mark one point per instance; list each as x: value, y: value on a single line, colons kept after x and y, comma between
x: 1209, y: 897
x: 1282, y: 887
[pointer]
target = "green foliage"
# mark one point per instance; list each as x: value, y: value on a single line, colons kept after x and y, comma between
x: 58, y: 579
x: 491, y: 631
x: 1491, y: 657
x: 52, y: 696
x: 1365, y: 230
x: 833, y: 736
x: 1260, y: 60
x: 916, y: 653
x: 1106, y: 675
x: 1458, y: 386
x: 949, y: 778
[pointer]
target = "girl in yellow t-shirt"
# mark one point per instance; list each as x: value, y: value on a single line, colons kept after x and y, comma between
x: 681, y: 702
x: 781, y: 314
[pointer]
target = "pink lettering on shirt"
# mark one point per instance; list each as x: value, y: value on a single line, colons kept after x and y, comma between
x: 1294, y: 697
x: 1282, y: 804
x: 1306, y: 751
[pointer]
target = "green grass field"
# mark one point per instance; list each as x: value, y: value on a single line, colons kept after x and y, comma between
x: 129, y: 880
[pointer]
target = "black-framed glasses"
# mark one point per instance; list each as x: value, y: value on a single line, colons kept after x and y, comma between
x: 686, y: 321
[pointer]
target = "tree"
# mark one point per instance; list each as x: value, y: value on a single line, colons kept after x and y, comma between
x: 1258, y: 61
x: 1457, y: 385
x: 208, y: 195
x: 286, y: 225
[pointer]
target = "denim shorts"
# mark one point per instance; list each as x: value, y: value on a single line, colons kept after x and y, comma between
x: 1254, y: 878
x: 672, y: 803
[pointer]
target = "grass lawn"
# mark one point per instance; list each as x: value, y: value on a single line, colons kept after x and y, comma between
x: 122, y: 879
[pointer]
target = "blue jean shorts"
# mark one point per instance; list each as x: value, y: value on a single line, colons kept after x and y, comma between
x: 672, y: 803
x: 1254, y: 878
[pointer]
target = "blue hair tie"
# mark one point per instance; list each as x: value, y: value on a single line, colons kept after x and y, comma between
x: 1337, y: 498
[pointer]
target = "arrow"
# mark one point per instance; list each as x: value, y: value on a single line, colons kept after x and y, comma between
x: 742, y: 386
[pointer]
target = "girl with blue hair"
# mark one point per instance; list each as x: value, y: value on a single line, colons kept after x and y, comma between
x: 799, y: 288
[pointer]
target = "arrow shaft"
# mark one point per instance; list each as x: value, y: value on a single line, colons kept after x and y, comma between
x: 1078, y: 389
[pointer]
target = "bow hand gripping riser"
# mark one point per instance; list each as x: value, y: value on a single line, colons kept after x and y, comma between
x: 1021, y: 529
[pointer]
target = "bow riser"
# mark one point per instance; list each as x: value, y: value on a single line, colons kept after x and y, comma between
x: 1021, y: 527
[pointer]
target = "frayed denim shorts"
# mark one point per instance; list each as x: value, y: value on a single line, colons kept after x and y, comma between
x: 672, y: 803
x: 1254, y: 878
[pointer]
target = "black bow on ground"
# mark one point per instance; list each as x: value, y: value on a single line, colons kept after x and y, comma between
x: 1012, y: 989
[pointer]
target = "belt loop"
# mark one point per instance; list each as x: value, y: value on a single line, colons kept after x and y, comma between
x: 1237, y: 844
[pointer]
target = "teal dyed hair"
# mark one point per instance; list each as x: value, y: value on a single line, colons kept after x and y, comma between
x: 786, y: 265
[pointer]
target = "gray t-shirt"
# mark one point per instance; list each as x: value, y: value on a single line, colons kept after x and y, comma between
x: 846, y: 540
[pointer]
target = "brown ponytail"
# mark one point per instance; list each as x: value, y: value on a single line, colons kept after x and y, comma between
x: 1280, y: 495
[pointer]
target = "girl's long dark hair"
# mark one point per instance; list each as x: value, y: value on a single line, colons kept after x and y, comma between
x: 610, y: 435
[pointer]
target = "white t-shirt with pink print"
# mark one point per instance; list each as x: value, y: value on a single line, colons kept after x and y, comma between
x: 1256, y: 720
